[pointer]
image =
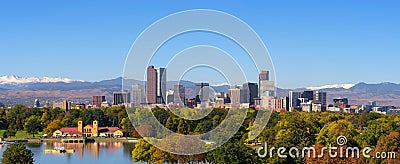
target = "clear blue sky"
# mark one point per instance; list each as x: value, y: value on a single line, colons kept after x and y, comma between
x: 311, y: 42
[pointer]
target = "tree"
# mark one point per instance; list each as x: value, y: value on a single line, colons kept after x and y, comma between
x: 53, y: 126
x: 161, y: 115
x: 172, y: 123
x: 4, y: 135
x: 142, y: 151
x: 233, y: 151
x: 9, y: 133
x: 16, y: 116
x: 33, y: 125
x: 17, y: 153
x: 3, y: 123
x: 160, y: 156
x: 127, y: 126
x: 388, y: 143
x: 376, y: 129
x: 182, y: 127
x: 338, y: 128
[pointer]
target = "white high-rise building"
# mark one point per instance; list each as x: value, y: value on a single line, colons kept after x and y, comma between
x: 234, y: 95
x: 170, y: 96
x: 267, y: 88
x: 138, y: 95
x: 161, y: 91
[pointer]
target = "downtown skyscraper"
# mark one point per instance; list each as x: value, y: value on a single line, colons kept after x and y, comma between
x: 248, y: 93
x: 202, y: 92
x: 156, y: 85
x: 179, y: 95
x: 267, y: 87
x: 151, y: 85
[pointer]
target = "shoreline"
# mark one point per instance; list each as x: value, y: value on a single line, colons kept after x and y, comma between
x: 59, y: 140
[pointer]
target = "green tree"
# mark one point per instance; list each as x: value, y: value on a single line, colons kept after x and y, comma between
x: 17, y: 153
x: 160, y: 156
x: 53, y: 126
x: 3, y: 123
x: 161, y: 115
x: 142, y: 151
x: 172, y: 123
x: 4, y: 135
x: 292, y: 130
x: 16, y: 117
x: 376, y: 129
x: 234, y: 151
x: 33, y: 125
x: 10, y: 133
x: 329, y: 134
x: 182, y: 127
x: 127, y: 126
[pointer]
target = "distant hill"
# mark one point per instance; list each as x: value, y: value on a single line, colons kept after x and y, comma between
x: 19, y: 90
x: 361, y: 93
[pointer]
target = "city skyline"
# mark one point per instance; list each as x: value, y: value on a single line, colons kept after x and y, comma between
x: 336, y: 44
x: 19, y: 80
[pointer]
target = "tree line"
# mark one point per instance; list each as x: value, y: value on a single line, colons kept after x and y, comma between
x: 284, y: 129
x: 48, y: 120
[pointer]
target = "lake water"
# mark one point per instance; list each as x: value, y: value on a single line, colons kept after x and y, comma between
x: 99, y: 152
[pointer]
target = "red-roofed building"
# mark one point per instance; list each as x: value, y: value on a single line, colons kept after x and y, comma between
x: 91, y: 130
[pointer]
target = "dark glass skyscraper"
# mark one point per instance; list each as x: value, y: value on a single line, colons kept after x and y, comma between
x: 248, y: 93
x: 308, y: 94
x: 121, y: 98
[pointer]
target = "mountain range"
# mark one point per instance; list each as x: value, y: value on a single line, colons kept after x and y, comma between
x: 19, y: 90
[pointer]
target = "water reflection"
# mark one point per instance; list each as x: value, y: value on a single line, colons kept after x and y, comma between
x: 98, y: 152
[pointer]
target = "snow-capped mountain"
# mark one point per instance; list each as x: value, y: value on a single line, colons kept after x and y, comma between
x: 345, y: 86
x: 219, y: 85
x: 16, y: 80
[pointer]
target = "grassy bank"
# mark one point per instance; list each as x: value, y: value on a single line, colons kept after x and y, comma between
x: 22, y: 134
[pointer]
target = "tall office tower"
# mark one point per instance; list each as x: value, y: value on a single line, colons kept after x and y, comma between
x: 138, y: 95
x: 47, y: 104
x: 151, y: 86
x: 320, y: 97
x: 308, y: 94
x: 121, y: 98
x: 170, y: 97
x: 249, y: 92
x: 234, y: 96
x: 65, y: 104
x: 161, y: 85
x: 282, y: 104
x: 264, y: 75
x: 202, y: 92
x: 285, y: 103
x: 97, y: 100
x: 267, y: 88
x: 293, y: 100
x: 179, y: 95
